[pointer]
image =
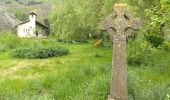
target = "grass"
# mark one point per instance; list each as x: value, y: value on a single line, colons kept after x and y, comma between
x: 84, y: 74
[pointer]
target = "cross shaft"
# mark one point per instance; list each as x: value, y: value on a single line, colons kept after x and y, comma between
x: 119, y: 24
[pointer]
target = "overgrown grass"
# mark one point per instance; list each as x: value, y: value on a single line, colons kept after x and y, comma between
x: 84, y: 74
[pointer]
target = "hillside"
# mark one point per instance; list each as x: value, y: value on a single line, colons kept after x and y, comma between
x: 15, y: 11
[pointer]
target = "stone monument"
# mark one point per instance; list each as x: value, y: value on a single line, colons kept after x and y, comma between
x: 119, y: 24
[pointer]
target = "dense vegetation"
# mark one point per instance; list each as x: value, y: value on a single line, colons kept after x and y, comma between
x: 84, y: 74
x: 39, y: 52
x: 10, y: 41
x: 78, y: 18
x: 24, y: 48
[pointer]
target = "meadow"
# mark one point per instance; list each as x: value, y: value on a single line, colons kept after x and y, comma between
x: 83, y: 74
x: 38, y: 69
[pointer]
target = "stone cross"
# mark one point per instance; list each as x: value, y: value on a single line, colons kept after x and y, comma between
x: 119, y: 24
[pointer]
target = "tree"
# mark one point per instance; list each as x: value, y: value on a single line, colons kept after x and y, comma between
x: 156, y: 22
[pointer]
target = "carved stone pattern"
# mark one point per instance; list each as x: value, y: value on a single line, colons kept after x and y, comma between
x: 119, y: 24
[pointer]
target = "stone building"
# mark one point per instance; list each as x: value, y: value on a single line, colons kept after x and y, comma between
x: 31, y: 27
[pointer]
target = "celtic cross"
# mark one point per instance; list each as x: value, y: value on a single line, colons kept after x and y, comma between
x: 119, y: 24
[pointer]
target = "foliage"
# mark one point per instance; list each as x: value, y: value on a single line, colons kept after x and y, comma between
x: 79, y: 76
x: 47, y: 23
x: 154, y: 39
x: 76, y: 19
x: 39, y: 52
x: 140, y: 53
x: 9, y: 41
x: 20, y: 14
x: 72, y: 41
x: 140, y: 89
x: 156, y: 23
x: 33, y: 2
x: 86, y: 76
x: 165, y: 46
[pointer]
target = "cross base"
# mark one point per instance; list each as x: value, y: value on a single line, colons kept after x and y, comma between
x: 109, y: 98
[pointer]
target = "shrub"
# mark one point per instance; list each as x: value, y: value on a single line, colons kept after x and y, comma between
x: 165, y: 46
x: 155, y: 40
x: 155, y: 26
x: 140, y: 52
x: 41, y: 52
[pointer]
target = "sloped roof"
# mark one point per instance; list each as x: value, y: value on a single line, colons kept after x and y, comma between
x: 37, y: 23
x: 41, y: 24
x: 32, y: 13
x: 23, y: 22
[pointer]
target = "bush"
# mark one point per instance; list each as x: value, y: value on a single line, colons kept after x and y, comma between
x: 140, y: 52
x: 155, y: 40
x: 41, y: 52
x: 155, y: 26
x: 165, y: 46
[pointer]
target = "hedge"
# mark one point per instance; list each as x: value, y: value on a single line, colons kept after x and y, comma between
x: 40, y: 52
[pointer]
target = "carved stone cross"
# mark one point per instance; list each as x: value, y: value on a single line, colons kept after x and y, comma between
x: 119, y: 24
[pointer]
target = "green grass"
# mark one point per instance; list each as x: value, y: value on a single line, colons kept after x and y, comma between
x: 84, y: 74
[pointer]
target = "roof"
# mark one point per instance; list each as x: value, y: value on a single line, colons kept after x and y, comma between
x: 23, y: 22
x: 32, y: 13
x: 40, y: 24
x: 37, y: 23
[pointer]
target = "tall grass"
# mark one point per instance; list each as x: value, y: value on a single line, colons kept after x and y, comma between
x: 81, y: 75
x: 10, y: 41
x: 83, y: 82
x: 86, y: 82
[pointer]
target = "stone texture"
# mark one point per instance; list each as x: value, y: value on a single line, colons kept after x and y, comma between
x: 119, y: 24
